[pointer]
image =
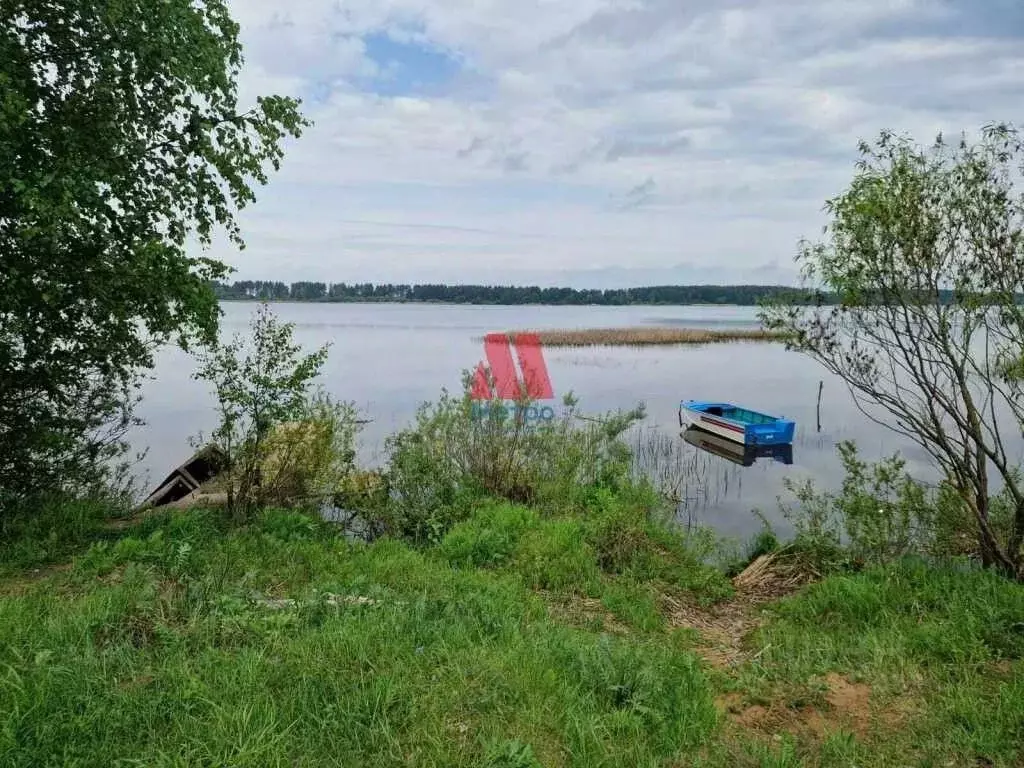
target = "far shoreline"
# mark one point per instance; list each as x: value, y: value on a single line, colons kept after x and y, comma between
x: 406, y: 302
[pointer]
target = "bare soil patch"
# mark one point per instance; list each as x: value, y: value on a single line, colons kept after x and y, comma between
x: 847, y: 706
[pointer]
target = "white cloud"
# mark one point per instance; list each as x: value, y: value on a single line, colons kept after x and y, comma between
x: 595, y: 133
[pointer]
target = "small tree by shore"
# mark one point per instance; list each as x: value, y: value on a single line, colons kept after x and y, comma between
x: 283, y: 444
x: 925, y: 256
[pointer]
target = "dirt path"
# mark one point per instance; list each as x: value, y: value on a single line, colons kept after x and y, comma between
x: 22, y: 582
x: 724, y: 627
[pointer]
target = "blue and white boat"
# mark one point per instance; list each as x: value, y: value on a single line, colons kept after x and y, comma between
x: 738, y: 424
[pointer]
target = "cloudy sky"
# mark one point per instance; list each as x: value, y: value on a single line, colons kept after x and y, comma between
x: 595, y: 142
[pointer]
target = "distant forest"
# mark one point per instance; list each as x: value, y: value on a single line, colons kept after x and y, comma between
x: 500, y: 294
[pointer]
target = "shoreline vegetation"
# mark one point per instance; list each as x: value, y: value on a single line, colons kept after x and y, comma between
x: 641, y: 336
x: 501, y: 592
x: 505, y: 597
x: 520, y: 639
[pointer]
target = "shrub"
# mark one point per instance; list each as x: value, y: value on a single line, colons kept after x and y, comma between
x: 459, y: 452
x: 363, y: 490
x: 879, y: 515
x: 312, y: 458
x: 618, y: 531
x: 632, y: 537
x: 924, y: 325
x: 281, y: 445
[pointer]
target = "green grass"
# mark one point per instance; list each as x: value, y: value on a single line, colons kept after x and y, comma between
x: 160, y: 648
x: 49, y: 531
x: 153, y: 650
x: 941, y: 649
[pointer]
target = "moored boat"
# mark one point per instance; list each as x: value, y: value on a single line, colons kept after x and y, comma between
x: 733, y: 422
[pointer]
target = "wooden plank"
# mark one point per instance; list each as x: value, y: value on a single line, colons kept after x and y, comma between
x: 187, y: 476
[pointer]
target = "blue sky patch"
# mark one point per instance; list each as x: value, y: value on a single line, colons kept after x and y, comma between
x: 408, y: 68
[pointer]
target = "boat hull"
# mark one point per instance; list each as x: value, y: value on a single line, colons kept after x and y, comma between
x: 187, y: 479
x: 716, y: 426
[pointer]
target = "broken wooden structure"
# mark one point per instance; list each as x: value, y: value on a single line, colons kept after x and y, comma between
x: 187, y: 479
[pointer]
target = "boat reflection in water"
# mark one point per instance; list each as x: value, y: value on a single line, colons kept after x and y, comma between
x: 745, y: 455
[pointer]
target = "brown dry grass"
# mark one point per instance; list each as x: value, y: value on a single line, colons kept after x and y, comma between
x: 645, y: 336
x: 582, y: 612
x: 723, y: 627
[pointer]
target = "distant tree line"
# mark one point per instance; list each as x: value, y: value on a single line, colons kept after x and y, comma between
x: 742, y: 295
x: 503, y: 294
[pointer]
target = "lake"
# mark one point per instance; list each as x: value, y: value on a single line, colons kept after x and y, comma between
x: 390, y: 358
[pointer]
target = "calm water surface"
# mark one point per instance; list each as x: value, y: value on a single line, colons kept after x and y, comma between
x: 390, y: 358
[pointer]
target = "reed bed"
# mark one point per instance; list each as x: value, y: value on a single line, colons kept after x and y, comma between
x: 690, y: 479
x: 648, y: 336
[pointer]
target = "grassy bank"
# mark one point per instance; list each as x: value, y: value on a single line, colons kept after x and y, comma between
x: 518, y: 639
x: 647, y: 336
x: 518, y: 595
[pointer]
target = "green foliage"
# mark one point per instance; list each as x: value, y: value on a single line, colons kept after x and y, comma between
x: 365, y: 647
x: 925, y: 256
x: 632, y: 539
x: 261, y: 381
x: 280, y: 445
x: 939, y: 649
x: 48, y: 528
x: 555, y: 556
x: 121, y: 138
x: 633, y: 604
x: 460, y: 451
x: 733, y: 556
x: 619, y: 531
x: 611, y: 548
x: 881, y: 514
x: 763, y: 543
x: 945, y: 618
x: 946, y: 642
x: 650, y: 690
x: 510, y: 754
x: 312, y: 458
x: 285, y: 525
